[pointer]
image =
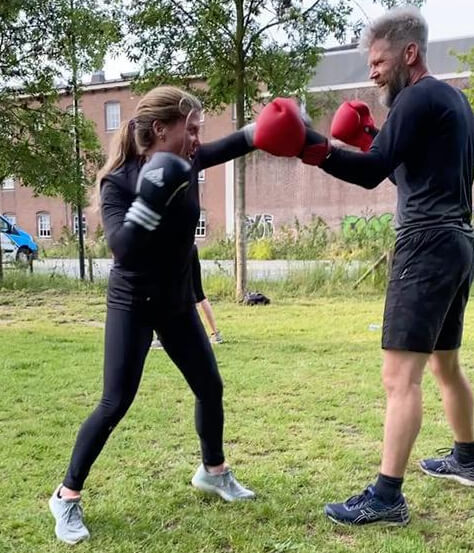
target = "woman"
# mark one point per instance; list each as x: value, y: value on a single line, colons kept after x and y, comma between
x: 150, y: 288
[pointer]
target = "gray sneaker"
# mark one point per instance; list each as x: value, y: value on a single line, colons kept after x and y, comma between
x: 216, y: 337
x: 223, y: 484
x: 69, y: 517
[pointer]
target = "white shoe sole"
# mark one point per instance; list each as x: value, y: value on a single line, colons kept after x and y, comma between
x: 455, y: 477
x: 375, y: 523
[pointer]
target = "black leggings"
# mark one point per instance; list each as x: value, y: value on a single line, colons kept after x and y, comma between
x: 128, y: 336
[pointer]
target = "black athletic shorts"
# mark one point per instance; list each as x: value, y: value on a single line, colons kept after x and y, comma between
x: 196, y: 275
x: 428, y: 291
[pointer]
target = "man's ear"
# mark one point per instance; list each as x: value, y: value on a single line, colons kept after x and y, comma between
x: 412, y: 52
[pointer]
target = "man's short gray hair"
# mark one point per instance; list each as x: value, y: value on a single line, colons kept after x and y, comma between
x: 399, y: 27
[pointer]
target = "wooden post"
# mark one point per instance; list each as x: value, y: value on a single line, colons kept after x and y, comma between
x: 370, y: 270
x: 91, y: 271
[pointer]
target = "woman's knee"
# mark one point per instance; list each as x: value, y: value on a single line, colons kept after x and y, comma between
x: 114, y: 409
x: 211, y: 389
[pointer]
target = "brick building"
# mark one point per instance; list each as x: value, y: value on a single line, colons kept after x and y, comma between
x: 278, y: 189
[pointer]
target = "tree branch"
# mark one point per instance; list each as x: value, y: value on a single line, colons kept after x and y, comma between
x: 226, y: 31
x: 193, y: 21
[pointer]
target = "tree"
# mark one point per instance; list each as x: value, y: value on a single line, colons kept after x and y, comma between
x: 242, y: 48
x: 43, y: 41
x: 468, y: 59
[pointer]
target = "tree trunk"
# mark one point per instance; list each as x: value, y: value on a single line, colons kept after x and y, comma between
x: 239, y: 190
x: 77, y: 150
x: 240, y: 231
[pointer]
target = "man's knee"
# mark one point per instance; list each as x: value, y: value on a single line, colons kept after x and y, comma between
x: 402, y: 371
x: 445, y: 364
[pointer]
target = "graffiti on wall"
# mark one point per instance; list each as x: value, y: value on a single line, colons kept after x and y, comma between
x: 354, y: 225
x: 259, y: 226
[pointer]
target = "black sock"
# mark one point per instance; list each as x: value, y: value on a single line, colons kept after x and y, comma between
x: 388, y: 488
x: 464, y: 452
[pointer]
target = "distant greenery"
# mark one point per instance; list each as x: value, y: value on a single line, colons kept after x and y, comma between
x: 361, y: 238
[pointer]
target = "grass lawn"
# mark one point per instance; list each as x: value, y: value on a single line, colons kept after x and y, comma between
x: 304, y: 416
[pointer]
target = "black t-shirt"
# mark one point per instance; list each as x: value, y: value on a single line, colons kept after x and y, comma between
x: 156, y: 266
x: 427, y: 147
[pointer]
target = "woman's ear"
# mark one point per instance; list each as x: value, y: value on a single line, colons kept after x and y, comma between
x: 159, y: 131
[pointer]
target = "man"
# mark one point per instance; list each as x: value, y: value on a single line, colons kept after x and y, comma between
x: 426, y: 146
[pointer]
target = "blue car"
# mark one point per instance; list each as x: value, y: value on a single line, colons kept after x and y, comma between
x: 17, y: 245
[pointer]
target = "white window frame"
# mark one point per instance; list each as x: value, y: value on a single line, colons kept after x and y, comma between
x: 202, y: 116
x: 234, y: 112
x: 201, y: 227
x: 43, y: 224
x: 75, y: 225
x: 8, y: 183
x: 202, y: 175
x: 112, y: 120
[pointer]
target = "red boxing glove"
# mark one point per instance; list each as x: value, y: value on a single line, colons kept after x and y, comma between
x: 353, y: 124
x: 279, y: 129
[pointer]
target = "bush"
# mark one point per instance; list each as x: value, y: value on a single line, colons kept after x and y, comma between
x: 220, y: 248
x: 308, y: 241
x: 67, y: 246
x: 261, y: 249
x: 361, y: 238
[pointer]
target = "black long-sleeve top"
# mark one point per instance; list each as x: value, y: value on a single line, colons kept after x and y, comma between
x: 427, y: 147
x: 156, y: 266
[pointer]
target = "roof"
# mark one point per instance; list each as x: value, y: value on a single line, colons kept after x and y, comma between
x: 345, y: 66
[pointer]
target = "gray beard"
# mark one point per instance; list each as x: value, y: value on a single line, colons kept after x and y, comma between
x: 394, y: 86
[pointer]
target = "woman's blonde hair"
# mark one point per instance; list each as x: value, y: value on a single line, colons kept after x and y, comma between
x: 165, y: 104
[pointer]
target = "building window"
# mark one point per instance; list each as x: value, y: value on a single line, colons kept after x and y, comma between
x: 202, y: 116
x: 11, y: 217
x: 112, y: 116
x: 76, y: 225
x: 201, y: 226
x: 8, y: 183
x: 234, y: 112
x: 202, y: 175
x: 44, y: 225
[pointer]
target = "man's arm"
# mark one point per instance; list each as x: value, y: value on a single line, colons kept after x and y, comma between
x: 398, y: 138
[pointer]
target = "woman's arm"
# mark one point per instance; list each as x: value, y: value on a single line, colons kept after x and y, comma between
x: 128, y: 242
x: 220, y: 151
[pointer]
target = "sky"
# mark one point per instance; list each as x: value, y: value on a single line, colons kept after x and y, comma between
x: 446, y: 19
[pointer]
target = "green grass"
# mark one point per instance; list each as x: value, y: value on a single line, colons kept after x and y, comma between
x: 304, y: 417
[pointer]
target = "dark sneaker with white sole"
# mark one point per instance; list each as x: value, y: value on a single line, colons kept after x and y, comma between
x: 449, y: 467
x: 366, y: 508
